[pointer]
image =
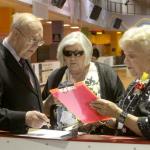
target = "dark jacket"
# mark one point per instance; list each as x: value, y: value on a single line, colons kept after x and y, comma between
x: 111, y: 86
x: 17, y: 96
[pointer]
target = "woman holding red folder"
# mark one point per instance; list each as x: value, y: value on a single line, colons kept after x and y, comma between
x: 74, y: 53
x: 132, y: 116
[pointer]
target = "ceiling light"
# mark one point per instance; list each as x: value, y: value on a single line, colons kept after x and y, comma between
x: 74, y: 27
x: 40, y: 19
x: 66, y: 25
x: 99, y: 33
x: 119, y: 32
x: 49, y: 22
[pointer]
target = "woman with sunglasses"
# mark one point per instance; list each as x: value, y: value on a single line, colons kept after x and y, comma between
x: 74, y: 53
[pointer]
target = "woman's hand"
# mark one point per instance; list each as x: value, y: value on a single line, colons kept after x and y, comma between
x: 106, y: 108
x: 111, y: 123
x: 88, y: 127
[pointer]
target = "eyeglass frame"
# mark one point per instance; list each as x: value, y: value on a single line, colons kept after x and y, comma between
x: 76, y: 53
x: 32, y: 41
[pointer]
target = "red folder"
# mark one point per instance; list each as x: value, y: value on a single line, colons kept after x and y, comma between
x: 77, y: 99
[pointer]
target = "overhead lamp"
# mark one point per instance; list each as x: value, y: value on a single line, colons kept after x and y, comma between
x: 49, y: 22
x: 119, y: 32
x: 66, y: 25
x: 40, y: 18
x: 99, y: 33
x: 74, y: 27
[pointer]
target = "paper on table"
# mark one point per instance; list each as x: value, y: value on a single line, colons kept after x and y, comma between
x: 77, y: 99
x: 47, y: 134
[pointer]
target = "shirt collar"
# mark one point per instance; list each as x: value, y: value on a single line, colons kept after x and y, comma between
x: 11, y: 50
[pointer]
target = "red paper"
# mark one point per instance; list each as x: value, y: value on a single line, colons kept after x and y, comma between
x: 77, y: 101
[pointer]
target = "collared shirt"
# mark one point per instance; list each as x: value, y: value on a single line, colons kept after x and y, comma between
x: 13, y: 52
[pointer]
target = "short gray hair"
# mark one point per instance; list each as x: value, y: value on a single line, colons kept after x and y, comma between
x: 76, y: 37
x: 136, y: 37
x: 21, y: 20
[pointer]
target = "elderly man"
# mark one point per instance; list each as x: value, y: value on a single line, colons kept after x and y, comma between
x: 20, y: 98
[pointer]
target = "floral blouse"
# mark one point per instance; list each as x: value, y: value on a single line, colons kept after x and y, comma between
x: 64, y: 117
x: 136, y: 101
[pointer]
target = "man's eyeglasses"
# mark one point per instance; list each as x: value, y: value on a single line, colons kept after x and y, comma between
x: 77, y: 53
x: 31, y: 40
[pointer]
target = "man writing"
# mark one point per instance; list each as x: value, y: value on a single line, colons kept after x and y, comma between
x: 20, y: 99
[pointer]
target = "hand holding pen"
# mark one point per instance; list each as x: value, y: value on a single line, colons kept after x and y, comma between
x: 36, y: 119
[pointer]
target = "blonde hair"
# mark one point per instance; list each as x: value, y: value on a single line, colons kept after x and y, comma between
x: 136, y: 37
x: 76, y: 37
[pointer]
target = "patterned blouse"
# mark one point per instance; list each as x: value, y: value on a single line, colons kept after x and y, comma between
x: 64, y: 117
x: 137, y: 104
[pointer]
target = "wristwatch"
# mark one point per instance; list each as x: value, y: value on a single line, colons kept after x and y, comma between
x: 121, y: 120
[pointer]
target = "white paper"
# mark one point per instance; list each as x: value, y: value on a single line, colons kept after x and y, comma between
x: 47, y: 134
x: 68, y: 118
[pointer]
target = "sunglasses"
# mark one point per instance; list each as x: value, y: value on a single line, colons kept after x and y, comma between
x: 69, y: 53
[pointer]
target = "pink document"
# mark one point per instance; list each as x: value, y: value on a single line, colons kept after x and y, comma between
x: 77, y: 99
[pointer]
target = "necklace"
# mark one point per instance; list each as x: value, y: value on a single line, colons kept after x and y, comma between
x: 133, y: 95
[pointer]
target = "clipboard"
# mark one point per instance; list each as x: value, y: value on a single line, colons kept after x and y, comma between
x: 77, y: 99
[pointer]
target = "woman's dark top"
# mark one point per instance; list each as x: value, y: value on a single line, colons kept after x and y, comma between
x: 111, y: 85
x: 137, y: 105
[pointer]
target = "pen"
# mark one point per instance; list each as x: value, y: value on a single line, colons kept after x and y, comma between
x: 47, y: 123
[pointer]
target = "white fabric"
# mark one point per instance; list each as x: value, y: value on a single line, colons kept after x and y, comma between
x: 12, y: 51
x: 92, y: 80
x: 68, y: 118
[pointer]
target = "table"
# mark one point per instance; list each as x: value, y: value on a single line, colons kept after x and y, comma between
x: 82, y: 142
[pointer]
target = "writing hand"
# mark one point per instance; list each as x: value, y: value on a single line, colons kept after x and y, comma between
x: 36, y: 119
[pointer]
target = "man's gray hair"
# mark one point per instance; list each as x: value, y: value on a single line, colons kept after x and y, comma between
x: 22, y: 19
x: 76, y: 37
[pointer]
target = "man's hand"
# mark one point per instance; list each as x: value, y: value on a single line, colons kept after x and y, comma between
x: 36, y: 119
